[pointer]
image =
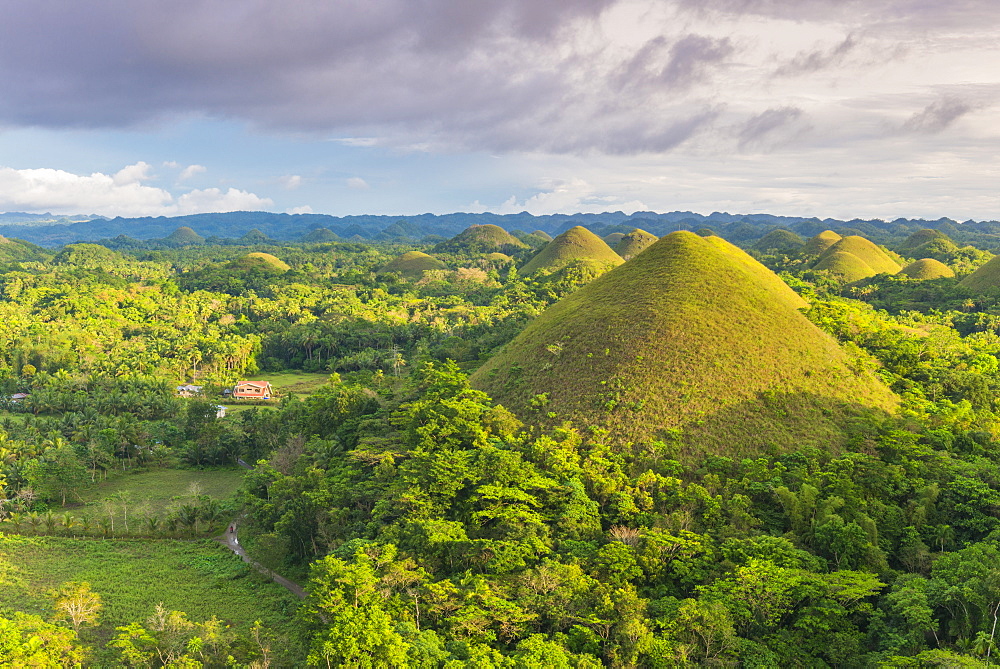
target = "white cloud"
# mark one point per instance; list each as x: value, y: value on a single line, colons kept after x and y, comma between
x: 574, y: 196
x: 213, y: 199
x: 304, y: 209
x: 357, y: 183
x: 290, y: 181
x: 190, y: 171
x: 120, y: 194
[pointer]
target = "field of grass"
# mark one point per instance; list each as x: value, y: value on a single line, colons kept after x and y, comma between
x: 294, y: 381
x: 201, y: 578
x: 159, y: 489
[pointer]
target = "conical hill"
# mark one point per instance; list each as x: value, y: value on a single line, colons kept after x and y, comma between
x: 919, y: 238
x: 260, y: 261
x: 710, y: 348
x: 846, y: 267
x: 635, y: 243
x: 412, y: 264
x: 184, y: 236
x: 613, y: 238
x: 985, y: 278
x: 866, y: 251
x: 927, y: 269
x: 481, y: 239
x: 576, y: 244
x: 544, y: 235
x: 779, y: 240
x: 821, y: 242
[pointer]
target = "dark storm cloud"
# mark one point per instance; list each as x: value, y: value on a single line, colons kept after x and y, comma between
x: 938, y: 115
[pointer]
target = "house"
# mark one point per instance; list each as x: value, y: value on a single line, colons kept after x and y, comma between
x: 188, y: 390
x: 259, y: 390
x: 17, y: 397
x: 220, y: 411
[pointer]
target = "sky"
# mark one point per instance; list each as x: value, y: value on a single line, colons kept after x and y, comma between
x: 828, y: 108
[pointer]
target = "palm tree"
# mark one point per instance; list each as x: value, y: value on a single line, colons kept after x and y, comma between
x: 15, y: 519
x: 152, y: 524
x: 50, y: 521
x: 68, y: 521
x: 35, y: 521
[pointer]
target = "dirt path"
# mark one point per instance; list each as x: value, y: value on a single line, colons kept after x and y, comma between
x: 231, y: 540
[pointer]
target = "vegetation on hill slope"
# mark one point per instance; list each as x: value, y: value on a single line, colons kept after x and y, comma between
x: 846, y: 267
x: 870, y: 254
x: 926, y: 269
x: 261, y: 261
x: 985, y: 278
x: 779, y: 240
x: 481, y: 239
x: 184, y: 236
x: 412, y: 265
x: 613, y: 238
x: 711, y: 343
x: 635, y: 243
x: 821, y: 242
x: 577, y: 243
x: 919, y: 238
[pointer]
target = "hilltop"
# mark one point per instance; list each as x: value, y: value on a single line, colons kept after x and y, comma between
x: 412, y: 265
x: 481, y: 239
x: 576, y: 244
x: 635, y: 243
x: 927, y: 269
x: 821, y: 242
x: 260, y: 261
x: 853, y: 258
x: 780, y: 240
x: 711, y: 344
x: 921, y: 237
x: 184, y: 236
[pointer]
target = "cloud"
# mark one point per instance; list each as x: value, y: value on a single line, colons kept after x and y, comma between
x: 937, y: 116
x: 304, y: 209
x: 570, y: 196
x: 290, y: 181
x: 119, y: 194
x: 806, y: 62
x: 576, y: 76
x: 768, y: 127
x: 191, y: 171
x: 357, y: 183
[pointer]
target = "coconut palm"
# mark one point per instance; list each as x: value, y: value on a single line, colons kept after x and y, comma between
x: 68, y: 521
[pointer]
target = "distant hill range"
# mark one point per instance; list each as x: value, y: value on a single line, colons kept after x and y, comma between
x: 50, y: 230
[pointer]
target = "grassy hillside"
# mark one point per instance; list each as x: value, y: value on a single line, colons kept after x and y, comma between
x: 412, y: 265
x: 261, y: 261
x: 710, y: 348
x: 575, y: 244
x: 821, y: 242
x: 481, y: 239
x: 866, y: 251
x: 926, y: 269
x: 613, y: 238
x: 985, y: 278
x: 635, y: 243
x: 184, y: 236
x: 779, y: 240
x: 919, y: 238
x: 846, y: 267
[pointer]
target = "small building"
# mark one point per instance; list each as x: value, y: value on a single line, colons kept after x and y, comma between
x: 17, y: 397
x: 188, y: 390
x: 257, y: 390
x: 220, y: 411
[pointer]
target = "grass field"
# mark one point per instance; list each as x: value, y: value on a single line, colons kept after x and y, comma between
x: 299, y: 383
x: 201, y: 578
x: 159, y: 489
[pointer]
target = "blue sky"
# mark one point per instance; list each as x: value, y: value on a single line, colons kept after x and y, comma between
x: 839, y: 108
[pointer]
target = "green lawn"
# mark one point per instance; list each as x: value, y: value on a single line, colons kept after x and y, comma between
x: 158, y: 490
x: 293, y: 381
x: 201, y: 578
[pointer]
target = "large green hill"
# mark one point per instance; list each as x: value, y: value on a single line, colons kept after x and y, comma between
x: 926, y: 269
x: 635, y: 243
x: 412, y: 265
x: 821, y: 242
x: 864, y: 250
x: 576, y: 244
x: 779, y: 240
x: 919, y: 238
x: 709, y: 345
x: 481, y: 239
x: 985, y: 278
x: 260, y: 261
x: 846, y: 267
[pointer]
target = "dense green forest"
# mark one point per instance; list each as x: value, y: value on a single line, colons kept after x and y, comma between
x: 434, y: 527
